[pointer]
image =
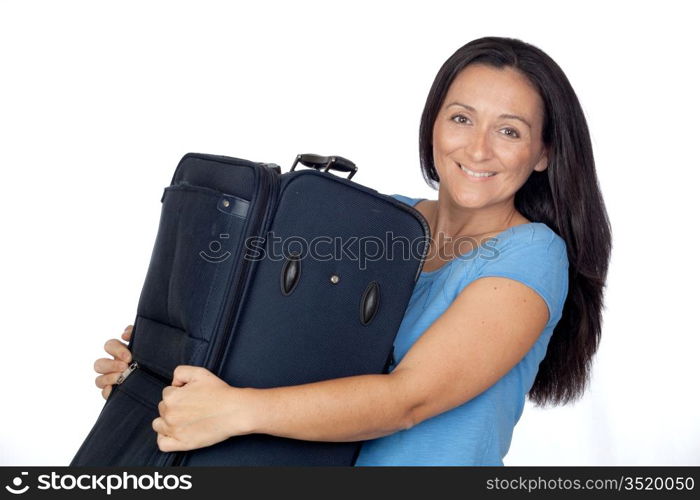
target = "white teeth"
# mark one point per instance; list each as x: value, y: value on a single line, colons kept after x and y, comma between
x: 476, y: 174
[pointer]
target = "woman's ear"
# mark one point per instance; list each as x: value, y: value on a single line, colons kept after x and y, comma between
x: 542, y: 163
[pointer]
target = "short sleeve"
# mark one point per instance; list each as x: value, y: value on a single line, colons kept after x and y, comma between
x: 534, y: 255
x: 405, y: 199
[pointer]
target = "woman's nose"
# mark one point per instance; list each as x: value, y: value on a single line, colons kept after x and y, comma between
x: 479, y: 146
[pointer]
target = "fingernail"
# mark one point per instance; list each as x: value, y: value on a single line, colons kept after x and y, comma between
x: 125, y: 356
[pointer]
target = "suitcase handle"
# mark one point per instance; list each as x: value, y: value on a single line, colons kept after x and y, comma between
x: 318, y: 162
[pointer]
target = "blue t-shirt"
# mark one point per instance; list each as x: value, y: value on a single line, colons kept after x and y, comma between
x: 479, y: 431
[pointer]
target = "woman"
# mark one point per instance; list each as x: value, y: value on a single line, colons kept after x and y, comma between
x: 508, y: 304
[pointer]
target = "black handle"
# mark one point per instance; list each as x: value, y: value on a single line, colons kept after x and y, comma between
x: 326, y: 163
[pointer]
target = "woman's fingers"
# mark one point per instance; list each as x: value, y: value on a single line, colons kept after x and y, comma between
x: 111, y: 369
x: 106, y: 390
x: 126, y: 335
x: 118, y: 349
x: 107, y: 379
x: 106, y: 365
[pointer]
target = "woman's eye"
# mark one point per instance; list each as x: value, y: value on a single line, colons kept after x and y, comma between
x: 511, y: 132
x: 460, y: 119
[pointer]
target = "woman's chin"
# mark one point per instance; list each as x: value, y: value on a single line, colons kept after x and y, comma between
x: 470, y: 202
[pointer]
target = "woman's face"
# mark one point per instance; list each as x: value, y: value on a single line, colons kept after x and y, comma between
x: 490, y: 123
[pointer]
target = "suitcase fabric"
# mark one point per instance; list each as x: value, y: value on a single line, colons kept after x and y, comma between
x: 231, y: 286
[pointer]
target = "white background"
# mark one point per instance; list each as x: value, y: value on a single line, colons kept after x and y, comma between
x: 99, y: 100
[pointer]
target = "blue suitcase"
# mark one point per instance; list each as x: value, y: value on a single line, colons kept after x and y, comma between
x: 219, y: 294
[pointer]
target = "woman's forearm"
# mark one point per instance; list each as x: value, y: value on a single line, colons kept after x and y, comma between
x: 344, y: 409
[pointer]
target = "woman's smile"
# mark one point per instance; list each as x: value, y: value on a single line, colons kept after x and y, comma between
x: 476, y: 175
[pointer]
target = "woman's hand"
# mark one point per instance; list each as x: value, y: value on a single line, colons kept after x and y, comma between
x: 199, y: 409
x: 110, y: 369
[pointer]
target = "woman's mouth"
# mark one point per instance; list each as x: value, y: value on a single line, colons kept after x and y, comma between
x: 477, y: 176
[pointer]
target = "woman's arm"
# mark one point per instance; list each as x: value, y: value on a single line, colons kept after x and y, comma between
x: 486, y: 331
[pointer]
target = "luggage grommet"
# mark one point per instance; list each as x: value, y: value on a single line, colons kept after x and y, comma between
x: 369, y: 303
x: 335, y: 279
x: 290, y: 274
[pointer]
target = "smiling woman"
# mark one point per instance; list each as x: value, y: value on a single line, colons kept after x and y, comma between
x: 504, y: 140
x: 497, y: 149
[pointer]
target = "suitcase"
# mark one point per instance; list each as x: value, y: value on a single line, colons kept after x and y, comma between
x: 237, y: 285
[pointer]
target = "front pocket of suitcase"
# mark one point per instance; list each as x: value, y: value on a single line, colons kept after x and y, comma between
x: 196, y: 251
x: 123, y: 434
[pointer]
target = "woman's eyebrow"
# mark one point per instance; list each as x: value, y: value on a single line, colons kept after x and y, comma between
x: 505, y: 115
x: 516, y: 117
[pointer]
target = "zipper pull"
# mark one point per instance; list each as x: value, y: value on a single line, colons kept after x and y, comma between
x: 133, y: 366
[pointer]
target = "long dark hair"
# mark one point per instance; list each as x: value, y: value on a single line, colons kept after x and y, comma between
x: 565, y: 196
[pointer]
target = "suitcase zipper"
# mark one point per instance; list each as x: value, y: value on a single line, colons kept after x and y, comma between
x: 125, y: 374
x: 270, y: 192
x: 133, y: 366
